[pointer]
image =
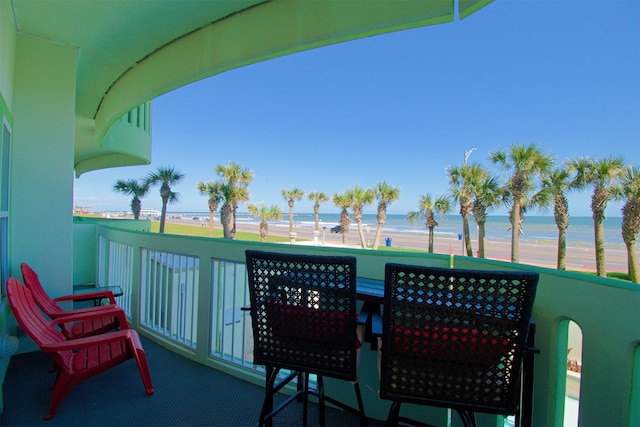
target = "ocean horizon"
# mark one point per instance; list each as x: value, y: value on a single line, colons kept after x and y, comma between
x: 538, y: 229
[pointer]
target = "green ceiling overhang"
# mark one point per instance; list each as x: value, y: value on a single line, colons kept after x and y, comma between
x: 467, y: 7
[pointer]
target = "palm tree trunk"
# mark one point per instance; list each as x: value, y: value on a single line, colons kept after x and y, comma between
x: 233, y: 222
x: 632, y: 262
x: 381, y: 218
x: 466, y: 236
x: 136, y: 205
x: 363, y: 241
x: 226, y: 220
x: 345, y: 222
x: 514, y: 216
x: 376, y: 239
x: 210, y: 222
x: 630, y: 231
x: 601, y: 267
x: 562, y: 249
x: 561, y: 217
x: 481, y: 235
x: 290, y: 218
x: 163, y: 215
x: 431, y: 239
x: 264, y: 230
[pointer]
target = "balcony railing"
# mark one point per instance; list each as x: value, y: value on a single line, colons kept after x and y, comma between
x: 187, y: 292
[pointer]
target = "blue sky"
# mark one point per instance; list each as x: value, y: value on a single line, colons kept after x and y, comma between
x: 402, y: 107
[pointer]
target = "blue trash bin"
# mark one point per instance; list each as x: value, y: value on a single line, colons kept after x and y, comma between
x: 388, y: 241
x: 459, y: 236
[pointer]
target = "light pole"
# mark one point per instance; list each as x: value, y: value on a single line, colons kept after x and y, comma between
x: 467, y: 153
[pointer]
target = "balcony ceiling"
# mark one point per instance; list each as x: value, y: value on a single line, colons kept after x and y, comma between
x: 131, y: 51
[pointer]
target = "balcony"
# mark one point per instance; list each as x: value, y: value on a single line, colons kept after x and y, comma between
x: 187, y: 393
x: 185, y: 294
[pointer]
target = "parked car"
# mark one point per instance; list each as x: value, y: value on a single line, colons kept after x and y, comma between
x: 336, y: 229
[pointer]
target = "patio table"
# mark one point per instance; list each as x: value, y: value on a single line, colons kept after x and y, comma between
x: 79, y: 290
x: 371, y: 293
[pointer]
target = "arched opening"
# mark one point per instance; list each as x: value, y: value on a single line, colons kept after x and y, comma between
x: 570, y: 361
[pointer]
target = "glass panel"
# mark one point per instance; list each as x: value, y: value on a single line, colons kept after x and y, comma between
x: 4, y: 171
x: 5, y: 143
x: 574, y: 369
x: 4, y: 251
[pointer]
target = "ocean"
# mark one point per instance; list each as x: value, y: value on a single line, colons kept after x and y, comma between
x: 537, y: 229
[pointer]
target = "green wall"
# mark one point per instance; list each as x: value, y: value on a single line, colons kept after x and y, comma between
x: 7, y: 51
x: 85, y: 245
x: 42, y: 161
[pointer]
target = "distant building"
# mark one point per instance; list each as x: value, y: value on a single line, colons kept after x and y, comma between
x: 149, y: 212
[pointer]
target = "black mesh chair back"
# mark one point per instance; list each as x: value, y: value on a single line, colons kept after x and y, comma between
x: 455, y: 338
x: 303, y: 311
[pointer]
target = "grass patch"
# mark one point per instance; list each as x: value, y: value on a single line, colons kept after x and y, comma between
x: 191, y: 230
x: 619, y: 276
x: 610, y: 275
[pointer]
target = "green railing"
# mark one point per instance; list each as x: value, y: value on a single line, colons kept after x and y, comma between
x: 186, y: 293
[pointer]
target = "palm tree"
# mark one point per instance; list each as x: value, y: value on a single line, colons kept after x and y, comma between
x: 214, y: 191
x: 525, y: 163
x: 235, y: 190
x: 461, y: 179
x: 132, y: 187
x: 291, y: 196
x: 602, y: 175
x: 487, y: 194
x: 343, y: 201
x: 317, y: 197
x: 265, y: 214
x: 359, y: 199
x: 166, y: 177
x: 630, y: 186
x: 385, y: 194
x: 559, y: 181
x: 426, y: 204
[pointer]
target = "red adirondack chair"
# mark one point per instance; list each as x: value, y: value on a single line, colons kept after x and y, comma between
x: 75, y: 359
x: 87, y: 326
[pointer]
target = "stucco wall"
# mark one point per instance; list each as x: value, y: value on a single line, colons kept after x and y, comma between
x: 42, y: 161
x: 7, y: 50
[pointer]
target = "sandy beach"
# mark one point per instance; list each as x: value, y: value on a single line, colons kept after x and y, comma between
x: 544, y: 255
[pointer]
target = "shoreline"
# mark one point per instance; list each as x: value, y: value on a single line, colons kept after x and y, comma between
x: 578, y: 258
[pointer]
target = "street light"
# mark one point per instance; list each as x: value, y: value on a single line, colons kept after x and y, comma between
x: 467, y: 154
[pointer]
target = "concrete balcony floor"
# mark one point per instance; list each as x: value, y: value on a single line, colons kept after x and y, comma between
x: 186, y: 394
